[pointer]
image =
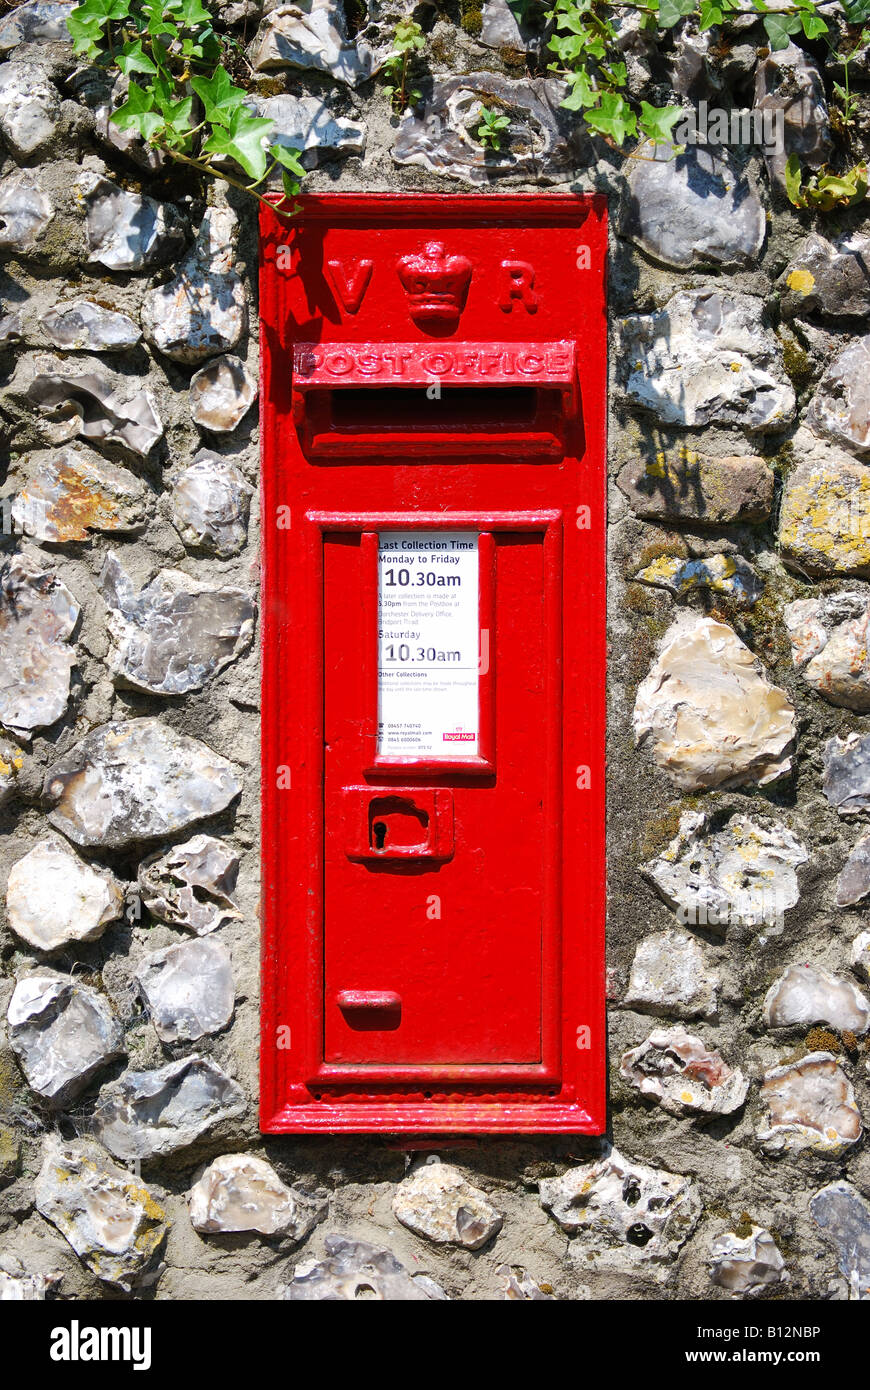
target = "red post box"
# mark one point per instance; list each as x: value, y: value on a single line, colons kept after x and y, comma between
x: 433, y: 410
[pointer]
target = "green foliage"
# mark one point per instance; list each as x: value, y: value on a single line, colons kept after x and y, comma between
x: 490, y: 128
x: 181, y: 99
x: 408, y: 40
x: 825, y: 191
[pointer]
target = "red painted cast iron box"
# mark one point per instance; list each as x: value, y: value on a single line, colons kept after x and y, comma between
x: 433, y: 514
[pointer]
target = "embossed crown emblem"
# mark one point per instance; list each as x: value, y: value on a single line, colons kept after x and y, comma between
x: 436, y: 285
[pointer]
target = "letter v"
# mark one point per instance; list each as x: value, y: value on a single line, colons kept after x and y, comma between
x: 350, y: 286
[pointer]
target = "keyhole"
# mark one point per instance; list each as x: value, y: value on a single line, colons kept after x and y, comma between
x: 379, y: 833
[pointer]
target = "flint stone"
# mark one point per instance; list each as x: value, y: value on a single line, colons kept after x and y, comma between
x: 824, y: 523
x: 353, y: 1270
x: 746, y: 1266
x: 694, y: 209
x: 789, y: 82
x: 843, y: 1215
x: 72, y: 492
x: 624, y: 1213
x: 202, y: 310
x: 688, y: 486
x: 542, y: 143
x: 500, y: 28
x: 239, y: 1192
x: 740, y: 875
x: 43, y: 20
x: 11, y: 763
x: 307, y: 124
x: 113, y: 1222
x: 725, y: 574
x: 670, y: 976
x: 29, y: 109
x: 310, y: 35
x: 846, y: 776
x: 709, y: 713
x: 83, y: 326
x: 54, y: 898
x: 221, y: 393
x: 677, y: 1070
x: 25, y: 211
x: 708, y: 359
x: 521, y: 1287
x: 840, y: 408
x: 17, y: 1286
x: 147, y: 1113
x: 192, y: 885
x: 95, y: 407
x: 810, y: 1107
x: 136, y: 779
x: 37, y: 617
x: 62, y: 1033
x: 438, y: 1203
x: 829, y: 646
x: 859, y: 955
x: 188, y: 990
x: 127, y: 232
x: 210, y: 502
x: 828, y: 277
x: 805, y: 994
x: 175, y: 634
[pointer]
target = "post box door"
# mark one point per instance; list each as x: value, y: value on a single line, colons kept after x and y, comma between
x: 436, y: 930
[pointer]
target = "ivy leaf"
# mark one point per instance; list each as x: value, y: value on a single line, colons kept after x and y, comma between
x: 657, y: 122
x: 793, y: 181
x: 85, y: 32
x: 813, y: 25
x: 189, y: 12
x: 711, y: 14
x: 614, y: 117
x: 582, y: 93
x: 103, y: 10
x: 242, y: 140
x: 218, y: 96
x: 133, y: 58
x: 138, y: 113
x: 780, y: 27
x: 289, y: 185
x: 672, y: 11
x: 856, y: 11
x: 289, y: 158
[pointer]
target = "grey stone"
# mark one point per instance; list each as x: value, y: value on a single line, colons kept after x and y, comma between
x: 843, y: 1215
x: 623, y: 1214
x: 54, y: 898
x: 724, y: 574
x: 828, y: 277
x: 62, y: 1033
x: 840, y: 408
x: 210, y: 502
x: 40, y: 20
x: 708, y: 712
x: 670, y: 976
x: 239, y: 1192
x: 97, y: 407
x: 308, y: 124
x: 221, y: 393
x: 191, y: 885
x: 859, y: 955
x: 853, y: 885
x: 439, y: 1204
x: 127, y: 232
x: 147, y: 1113
x: 707, y: 358
x: 809, y: 1107
x: 543, y: 142
x: 136, y: 779
x: 37, y: 617
x: 846, y: 777
x: 738, y: 875
x: 676, y: 1069
x: 175, y: 634
x: 354, y: 1270
x: 127, y: 142
x: 18, y: 1286
x: 202, y: 310
x: 84, y: 326
x: 113, y: 1222
x: 788, y: 82
x: 500, y: 28
x: 25, y: 211
x: 747, y: 1265
x: 188, y: 990
x: 72, y: 492
x: 829, y: 645
x: 521, y: 1287
x: 29, y: 109
x: 687, y: 486
x: 806, y: 994
x: 310, y: 35
x: 694, y: 209
x: 824, y: 520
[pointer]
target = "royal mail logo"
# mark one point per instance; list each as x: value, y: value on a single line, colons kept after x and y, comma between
x: 436, y: 285
x: 458, y: 736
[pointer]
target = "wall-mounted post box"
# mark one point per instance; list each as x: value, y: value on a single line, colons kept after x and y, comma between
x: 433, y: 409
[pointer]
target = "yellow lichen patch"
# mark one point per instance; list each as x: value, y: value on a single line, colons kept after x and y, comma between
x: 801, y: 281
